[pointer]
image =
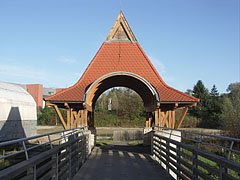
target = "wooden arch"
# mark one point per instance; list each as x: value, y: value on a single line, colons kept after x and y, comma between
x: 123, y: 79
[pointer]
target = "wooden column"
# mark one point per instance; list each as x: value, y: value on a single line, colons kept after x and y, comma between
x: 72, y: 119
x: 148, y: 119
x: 156, y: 117
x: 169, y: 119
x: 165, y: 116
x: 68, y: 118
x: 82, y: 118
x: 91, y: 119
x: 85, y: 118
x: 173, y: 118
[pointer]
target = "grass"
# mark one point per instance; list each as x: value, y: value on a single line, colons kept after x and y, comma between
x: 108, y: 142
x: 106, y: 119
x: 211, y: 163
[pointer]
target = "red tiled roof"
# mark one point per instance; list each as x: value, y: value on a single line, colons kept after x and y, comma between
x: 132, y: 59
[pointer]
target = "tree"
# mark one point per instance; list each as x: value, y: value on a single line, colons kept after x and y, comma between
x: 214, y: 91
x: 200, y: 111
x: 231, y: 111
x: 215, y: 108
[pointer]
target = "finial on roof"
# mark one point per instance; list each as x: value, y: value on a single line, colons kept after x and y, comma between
x: 121, y: 30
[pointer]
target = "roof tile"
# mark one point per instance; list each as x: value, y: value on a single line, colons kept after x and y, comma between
x: 132, y: 59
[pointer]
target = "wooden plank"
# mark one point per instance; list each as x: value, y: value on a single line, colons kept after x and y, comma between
x: 169, y: 119
x: 77, y: 118
x: 81, y: 119
x: 147, y: 119
x: 159, y: 117
x: 60, y: 116
x: 88, y: 107
x: 150, y: 119
x: 71, y: 115
x: 182, y: 117
x: 173, y: 119
x: 68, y: 118
x: 85, y: 118
x: 156, y: 117
x: 165, y: 119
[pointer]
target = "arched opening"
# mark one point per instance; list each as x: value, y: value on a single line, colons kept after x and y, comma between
x: 119, y: 107
x: 123, y: 79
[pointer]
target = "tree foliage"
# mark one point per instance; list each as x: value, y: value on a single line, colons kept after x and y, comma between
x: 209, y: 109
x: 127, y: 105
x: 231, y: 111
x: 47, y: 116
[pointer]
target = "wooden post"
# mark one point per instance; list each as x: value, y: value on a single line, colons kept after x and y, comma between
x: 60, y: 116
x: 77, y: 118
x: 68, y: 118
x: 161, y: 119
x: 71, y: 115
x: 146, y: 119
x: 169, y: 119
x: 173, y: 119
x: 91, y: 119
x: 85, y: 118
x: 165, y: 119
x: 156, y: 118
x: 182, y: 117
x: 82, y: 118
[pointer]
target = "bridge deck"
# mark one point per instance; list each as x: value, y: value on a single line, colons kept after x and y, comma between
x: 115, y: 162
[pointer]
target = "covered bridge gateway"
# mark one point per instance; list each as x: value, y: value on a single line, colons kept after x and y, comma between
x: 121, y: 62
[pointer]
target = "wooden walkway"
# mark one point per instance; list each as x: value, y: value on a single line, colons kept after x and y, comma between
x: 118, y: 162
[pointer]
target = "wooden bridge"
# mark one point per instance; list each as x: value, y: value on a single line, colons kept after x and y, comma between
x: 173, y: 154
x: 71, y: 154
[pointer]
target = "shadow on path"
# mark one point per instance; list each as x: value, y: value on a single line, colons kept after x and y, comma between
x: 120, y: 161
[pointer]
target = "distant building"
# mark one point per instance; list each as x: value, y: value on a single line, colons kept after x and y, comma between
x: 18, y: 117
x: 38, y: 92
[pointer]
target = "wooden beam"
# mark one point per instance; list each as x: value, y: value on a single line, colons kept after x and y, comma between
x: 87, y: 107
x: 77, y: 118
x: 60, y: 116
x: 173, y: 119
x: 71, y: 115
x: 156, y: 117
x: 85, y: 118
x: 66, y: 105
x: 169, y: 119
x: 182, y: 117
x: 159, y: 116
x: 81, y: 118
x: 68, y: 118
x: 165, y: 119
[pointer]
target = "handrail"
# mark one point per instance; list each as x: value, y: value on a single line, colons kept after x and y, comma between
x: 186, y: 161
x: 200, y: 141
x: 23, y: 140
x: 69, y: 155
x: 35, y: 137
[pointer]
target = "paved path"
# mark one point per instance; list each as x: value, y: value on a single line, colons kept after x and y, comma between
x: 119, y: 162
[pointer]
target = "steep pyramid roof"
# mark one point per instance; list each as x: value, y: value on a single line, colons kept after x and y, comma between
x: 121, y: 52
x: 121, y: 30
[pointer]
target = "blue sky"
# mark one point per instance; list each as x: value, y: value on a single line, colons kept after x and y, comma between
x: 51, y: 42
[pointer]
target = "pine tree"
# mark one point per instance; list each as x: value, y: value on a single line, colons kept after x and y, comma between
x: 201, y: 110
x: 214, y: 91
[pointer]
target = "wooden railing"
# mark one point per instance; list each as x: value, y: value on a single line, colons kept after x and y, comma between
x: 187, y: 161
x: 60, y: 161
